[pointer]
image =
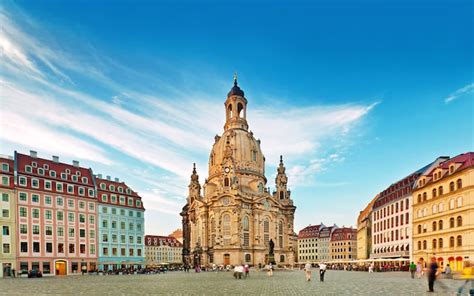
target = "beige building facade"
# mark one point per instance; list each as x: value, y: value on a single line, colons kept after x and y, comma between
x: 364, y: 231
x: 443, y: 208
x: 7, y: 218
x: 162, y: 250
x: 343, y: 244
x: 235, y: 219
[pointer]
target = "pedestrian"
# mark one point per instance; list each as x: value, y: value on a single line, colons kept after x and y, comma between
x: 419, y: 269
x: 307, y: 271
x: 322, y: 271
x: 14, y: 273
x: 83, y: 269
x: 270, y: 270
x: 433, y: 272
x: 447, y: 271
x: 467, y: 275
x: 412, y: 269
x: 246, y: 270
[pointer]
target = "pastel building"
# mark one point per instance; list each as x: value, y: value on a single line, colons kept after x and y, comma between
x: 364, y: 231
x: 308, y: 239
x: 7, y: 217
x: 161, y: 250
x: 443, y: 207
x: 56, y: 216
x: 343, y: 244
x: 325, y: 234
x: 392, y: 218
x: 121, y: 226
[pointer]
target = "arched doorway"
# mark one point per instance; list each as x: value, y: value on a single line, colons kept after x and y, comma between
x: 459, y: 263
x: 226, y: 259
x: 61, y: 267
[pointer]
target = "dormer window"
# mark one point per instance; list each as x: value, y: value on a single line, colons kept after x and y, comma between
x: 102, y: 186
x: 84, y: 180
x: 120, y: 189
x: 63, y: 176
x: 78, y: 173
x: 68, y: 171
x: 451, y: 169
x: 128, y: 191
x: 74, y: 178
x: 34, y: 164
x: 28, y: 169
x: 111, y: 187
x: 46, y: 166
x: 41, y: 171
x: 52, y: 174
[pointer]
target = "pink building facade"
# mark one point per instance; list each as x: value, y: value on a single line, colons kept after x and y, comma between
x: 56, y: 216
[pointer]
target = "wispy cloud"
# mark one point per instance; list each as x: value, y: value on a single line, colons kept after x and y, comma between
x: 150, y: 136
x: 468, y: 89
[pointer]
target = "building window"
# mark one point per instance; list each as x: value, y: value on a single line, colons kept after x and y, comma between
x: 24, y: 247
x: 459, y: 202
x: 59, y: 201
x: 91, y: 192
x: 440, y: 224
x: 36, y: 247
x: 424, y: 245
x: 82, y: 248
x: 5, y: 167
x: 59, y: 216
x: 459, y: 221
x: 459, y: 241
x: 226, y: 228
x: 434, y: 193
x: 61, y: 248
x: 52, y: 174
x: 6, y: 213
x: 451, y: 204
x: 82, y: 205
x: 60, y: 231
x: 48, y: 230
x: 434, y: 244
x: 451, y: 222
x: 434, y: 225
x: 82, y: 191
x: 35, y: 213
x: 59, y: 187
x: 440, y: 243
x: 459, y: 183
x: 47, y: 199
x: 70, y: 189
x: 72, y: 248
x: 440, y: 190
x: 92, y: 249
x: 91, y: 219
x: 6, y: 248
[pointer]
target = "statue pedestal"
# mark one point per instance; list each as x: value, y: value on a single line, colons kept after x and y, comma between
x: 271, y: 259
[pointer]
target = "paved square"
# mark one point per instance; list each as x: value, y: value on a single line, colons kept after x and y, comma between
x: 222, y: 283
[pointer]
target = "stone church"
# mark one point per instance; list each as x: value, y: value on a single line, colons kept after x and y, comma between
x: 233, y: 218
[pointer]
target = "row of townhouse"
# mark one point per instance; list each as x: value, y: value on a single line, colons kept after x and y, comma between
x: 320, y: 243
x: 62, y: 219
x: 429, y: 213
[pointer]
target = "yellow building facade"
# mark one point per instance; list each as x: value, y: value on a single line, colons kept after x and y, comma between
x: 364, y: 231
x: 235, y: 218
x: 443, y: 210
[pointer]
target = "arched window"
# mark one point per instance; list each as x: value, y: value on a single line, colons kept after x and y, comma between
x: 419, y: 198
x: 434, y: 244
x: 451, y: 187
x: 266, y: 231
x: 282, y: 195
x: 240, y: 107
x: 451, y: 223
x: 459, y: 241
x: 434, y: 225
x: 451, y: 242
x: 459, y: 202
x: 459, y: 221
x: 419, y: 245
x: 440, y: 243
x: 440, y: 190
x: 434, y: 193
x: 226, y: 229
x: 440, y: 207
x: 419, y: 228
x: 459, y: 183
x: 226, y: 182
x: 451, y: 204
x: 440, y: 224
x: 248, y: 257
x: 282, y: 258
x: 425, y: 196
x: 229, y: 111
x: 434, y: 209
x: 280, y: 234
x: 246, y: 227
x: 424, y: 245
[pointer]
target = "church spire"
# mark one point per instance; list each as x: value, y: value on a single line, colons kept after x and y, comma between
x: 236, y: 108
x: 194, y: 186
x: 281, y: 181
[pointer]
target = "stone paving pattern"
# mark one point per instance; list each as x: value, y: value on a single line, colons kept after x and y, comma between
x: 223, y: 283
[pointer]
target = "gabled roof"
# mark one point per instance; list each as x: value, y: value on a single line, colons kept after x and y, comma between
x: 160, y: 240
x: 310, y: 231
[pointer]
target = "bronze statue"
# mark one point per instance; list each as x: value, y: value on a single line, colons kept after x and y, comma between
x: 272, y: 246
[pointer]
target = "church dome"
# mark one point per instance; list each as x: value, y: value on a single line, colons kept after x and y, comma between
x: 235, y: 91
x: 245, y: 152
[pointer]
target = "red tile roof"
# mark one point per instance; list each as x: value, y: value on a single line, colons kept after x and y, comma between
x: 466, y: 160
x: 159, y: 240
x: 344, y: 233
x: 117, y: 184
x: 311, y: 231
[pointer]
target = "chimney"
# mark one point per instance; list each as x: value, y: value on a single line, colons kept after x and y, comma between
x: 99, y: 176
x: 108, y: 178
x: 75, y: 163
x: 33, y: 153
x: 55, y: 158
x: 117, y: 180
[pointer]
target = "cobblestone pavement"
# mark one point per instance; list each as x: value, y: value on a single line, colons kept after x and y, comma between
x: 222, y: 283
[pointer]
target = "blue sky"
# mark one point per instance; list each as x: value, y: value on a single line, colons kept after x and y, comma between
x: 355, y: 94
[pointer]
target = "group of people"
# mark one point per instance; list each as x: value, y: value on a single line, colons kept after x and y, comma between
x: 241, y: 270
x: 308, y: 271
x: 433, y: 272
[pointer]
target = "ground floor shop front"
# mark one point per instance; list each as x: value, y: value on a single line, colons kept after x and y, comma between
x: 56, y: 266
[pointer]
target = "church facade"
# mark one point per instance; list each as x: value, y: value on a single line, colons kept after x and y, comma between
x: 233, y: 218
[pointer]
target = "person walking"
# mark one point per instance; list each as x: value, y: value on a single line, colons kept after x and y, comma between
x: 419, y: 270
x: 246, y: 270
x: 322, y: 271
x: 307, y: 271
x: 433, y: 272
x: 467, y: 275
x: 412, y: 269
